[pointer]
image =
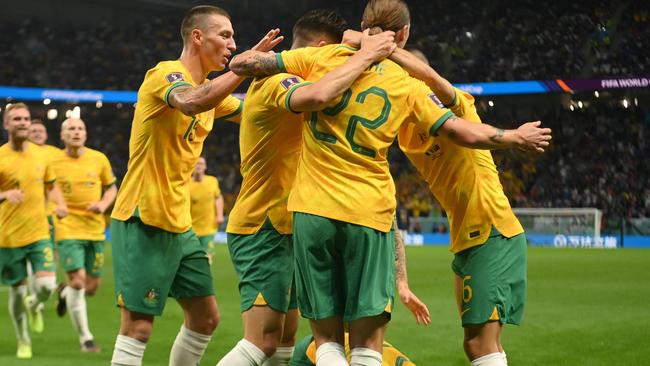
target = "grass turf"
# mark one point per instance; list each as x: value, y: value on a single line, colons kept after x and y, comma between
x: 585, y: 307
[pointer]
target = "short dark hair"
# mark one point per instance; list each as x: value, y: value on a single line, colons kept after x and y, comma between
x: 194, y: 17
x: 36, y: 121
x: 318, y: 22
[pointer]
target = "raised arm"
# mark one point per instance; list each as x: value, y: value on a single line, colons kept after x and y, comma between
x: 192, y: 100
x: 316, y: 96
x: 255, y: 63
x: 528, y: 136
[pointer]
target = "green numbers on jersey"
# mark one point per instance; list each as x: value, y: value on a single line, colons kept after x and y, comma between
x: 189, y: 134
x: 354, y: 120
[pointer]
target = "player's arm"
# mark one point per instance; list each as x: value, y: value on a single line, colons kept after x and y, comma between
x: 54, y: 194
x: 529, y: 136
x: 408, y: 298
x: 192, y: 100
x: 420, y: 70
x: 316, y: 96
x: 255, y: 63
x: 108, y: 197
x: 14, y: 196
x: 218, y: 205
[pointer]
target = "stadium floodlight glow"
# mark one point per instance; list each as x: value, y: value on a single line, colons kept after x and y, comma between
x: 596, y: 94
x: 625, y: 103
x: 47, y: 101
x: 491, y: 103
x: 76, y: 112
x: 118, y: 106
x: 636, y: 102
x: 572, y: 108
x: 99, y: 104
x: 469, y: 34
x: 68, y: 113
x: 52, y: 114
x: 580, y: 105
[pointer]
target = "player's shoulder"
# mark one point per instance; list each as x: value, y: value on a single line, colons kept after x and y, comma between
x: 169, y: 71
x: 211, y: 178
x: 95, y: 154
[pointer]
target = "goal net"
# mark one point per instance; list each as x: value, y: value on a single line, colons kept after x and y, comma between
x: 563, y: 227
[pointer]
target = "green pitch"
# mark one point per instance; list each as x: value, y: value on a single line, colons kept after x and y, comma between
x: 585, y: 307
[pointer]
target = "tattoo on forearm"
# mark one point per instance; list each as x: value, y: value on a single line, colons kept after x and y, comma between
x: 498, y: 134
x: 400, y: 258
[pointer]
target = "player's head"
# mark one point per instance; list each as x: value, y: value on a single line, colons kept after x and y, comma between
x: 38, y: 132
x: 201, y: 167
x: 317, y: 28
x: 418, y: 53
x: 207, y: 30
x: 16, y: 120
x: 73, y: 133
x: 388, y: 15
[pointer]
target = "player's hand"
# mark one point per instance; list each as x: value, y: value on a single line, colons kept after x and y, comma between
x: 270, y: 40
x: 61, y: 211
x: 414, y: 304
x: 532, y: 137
x: 378, y: 46
x: 352, y: 38
x: 96, y: 207
x: 14, y: 196
x: 218, y: 221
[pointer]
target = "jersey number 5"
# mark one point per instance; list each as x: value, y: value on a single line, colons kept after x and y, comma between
x: 354, y: 120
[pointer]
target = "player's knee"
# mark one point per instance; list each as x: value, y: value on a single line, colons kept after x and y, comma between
x: 91, y: 290
x: 473, y: 347
x: 211, y: 323
x: 269, y: 345
x: 140, y: 331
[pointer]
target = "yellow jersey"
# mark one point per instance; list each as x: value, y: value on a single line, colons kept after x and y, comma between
x: 81, y: 181
x: 391, y: 356
x: 269, y: 146
x: 343, y: 170
x: 24, y: 223
x: 465, y: 181
x: 50, y: 151
x: 163, y: 149
x: 203, y: 194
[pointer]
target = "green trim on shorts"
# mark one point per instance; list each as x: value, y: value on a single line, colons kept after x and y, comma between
x: 342, y: 269
x: 78, y: 254
x: 494, y: 277
x: 150, y: 264
x: 13, y: 261
x: 264, y: 263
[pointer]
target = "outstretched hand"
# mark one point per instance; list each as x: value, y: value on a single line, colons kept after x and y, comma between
x: 533, y: 137
x: 270, y: 40
x: 415, y: 305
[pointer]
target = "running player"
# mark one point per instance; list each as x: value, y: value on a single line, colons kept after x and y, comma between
x: 305, y: 353
x: 207, y: 205
x: 259, y: 226
x: 151, y: 221
x: 86, y: 179
x: 25, y: 176
x: 344, y: 197
x: 486, y: 238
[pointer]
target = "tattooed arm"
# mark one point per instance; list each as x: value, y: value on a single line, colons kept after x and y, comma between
x: 255, y: 63
x: 528, y: 136
x: 193, y: 100
x: 408, y: 298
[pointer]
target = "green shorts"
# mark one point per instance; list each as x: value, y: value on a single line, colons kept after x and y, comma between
x: 150, y: 264
x: 86, y: 254
x: 13, y: 261
x: 494, y: 280
x: 207, y: 243
x: 50, y: 222
x: 342, y: 269
x: 299, y: 357
x: 264, y: 263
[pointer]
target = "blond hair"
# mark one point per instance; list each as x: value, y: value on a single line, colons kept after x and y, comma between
x: 11, y: 107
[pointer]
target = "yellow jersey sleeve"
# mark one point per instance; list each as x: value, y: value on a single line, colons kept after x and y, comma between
x: 427, y: 112
x: 165, y: 79
x: 463, y: 106
x: 48, y: 175
x: 217, y: 188
x: 298, y: 62
x: 106, y: 175
x: 279, y: 88
x: 229, y: 109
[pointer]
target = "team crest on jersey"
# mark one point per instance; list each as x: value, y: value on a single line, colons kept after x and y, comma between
x: 174, y: 77
x: 151, y: 298
x: 288, y: 82
x: 435, y: 99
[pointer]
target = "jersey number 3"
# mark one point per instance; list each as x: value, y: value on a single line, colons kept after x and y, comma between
x: 354, y: 120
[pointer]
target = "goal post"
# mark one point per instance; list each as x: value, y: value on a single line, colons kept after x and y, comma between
x: 563, y: 227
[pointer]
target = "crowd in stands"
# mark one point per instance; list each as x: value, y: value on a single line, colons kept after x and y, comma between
x: 502, y: 40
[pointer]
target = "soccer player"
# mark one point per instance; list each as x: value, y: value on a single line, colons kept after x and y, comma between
x: 25, y: 176
x: 259, y: 226
x: 487, y: 240
x: 343, y: 197
x: 305, y: 353
x: 86, y: 179
x: 207, y: 205
x: 155, y: 252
